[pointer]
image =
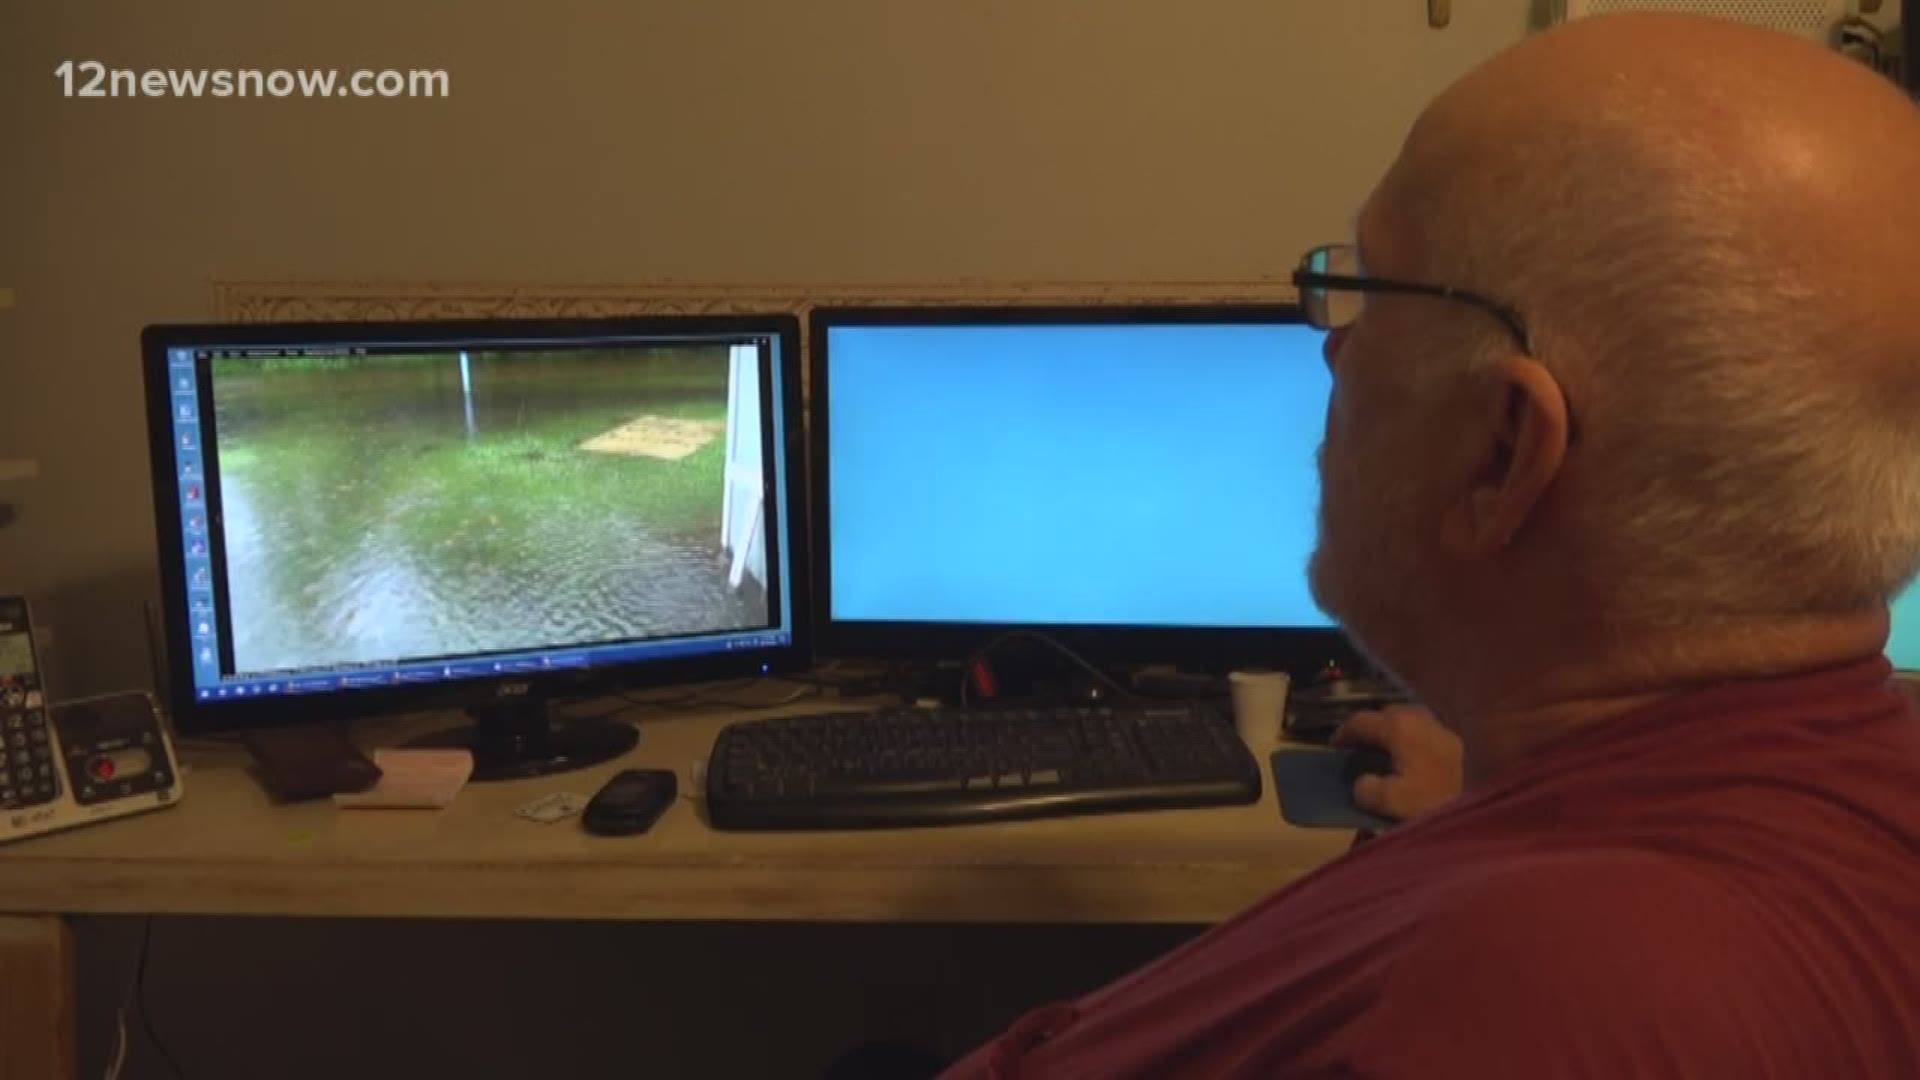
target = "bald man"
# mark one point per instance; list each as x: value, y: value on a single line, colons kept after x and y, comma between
x: 1622, y: 465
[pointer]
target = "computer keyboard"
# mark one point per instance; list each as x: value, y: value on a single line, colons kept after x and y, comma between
x: 905, y: 767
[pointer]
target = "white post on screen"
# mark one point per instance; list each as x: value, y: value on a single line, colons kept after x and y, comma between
x: 466, y: 389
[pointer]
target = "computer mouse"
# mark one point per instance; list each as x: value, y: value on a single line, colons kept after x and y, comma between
x: 1365, y: 761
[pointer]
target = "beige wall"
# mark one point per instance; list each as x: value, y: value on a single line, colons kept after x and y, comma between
x: 696, y: 139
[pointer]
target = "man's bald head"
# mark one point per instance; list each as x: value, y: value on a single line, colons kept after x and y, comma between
x: 1797, y: 160
x: 1714, y: 234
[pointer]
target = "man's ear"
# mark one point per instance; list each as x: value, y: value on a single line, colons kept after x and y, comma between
x: 1528, y: 432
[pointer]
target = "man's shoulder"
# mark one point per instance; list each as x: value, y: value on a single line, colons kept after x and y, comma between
x: 1577, y: 961
x: 1595, y: 884
x: 1593, y: 911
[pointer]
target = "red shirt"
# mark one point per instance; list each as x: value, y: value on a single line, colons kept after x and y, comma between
x: 1726, y: 883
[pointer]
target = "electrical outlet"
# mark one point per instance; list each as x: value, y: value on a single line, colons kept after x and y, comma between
x: 6, y: 298
x: 18, y: 468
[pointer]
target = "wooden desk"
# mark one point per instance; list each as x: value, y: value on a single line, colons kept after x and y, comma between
x: 227, y: 850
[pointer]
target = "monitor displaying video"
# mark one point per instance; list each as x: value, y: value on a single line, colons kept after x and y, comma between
x: 361, y: 513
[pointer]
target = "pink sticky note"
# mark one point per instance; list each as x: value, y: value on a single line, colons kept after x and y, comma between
x: 412, y: 779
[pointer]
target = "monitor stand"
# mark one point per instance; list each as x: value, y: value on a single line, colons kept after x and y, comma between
x: 525, y: 739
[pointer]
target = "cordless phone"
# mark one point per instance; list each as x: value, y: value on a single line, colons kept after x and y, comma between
x: 29, y: 775
x: 73, y: 762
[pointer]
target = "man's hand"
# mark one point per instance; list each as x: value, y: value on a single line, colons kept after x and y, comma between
x: 1426, y: 760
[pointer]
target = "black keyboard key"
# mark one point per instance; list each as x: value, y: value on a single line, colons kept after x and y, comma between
x: 886, y: 784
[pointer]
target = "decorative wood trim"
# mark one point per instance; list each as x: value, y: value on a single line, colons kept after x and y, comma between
x: 324, y: 301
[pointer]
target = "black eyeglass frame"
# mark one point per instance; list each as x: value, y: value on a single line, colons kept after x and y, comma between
x: 1315, y: 309
x: 1305, y: 279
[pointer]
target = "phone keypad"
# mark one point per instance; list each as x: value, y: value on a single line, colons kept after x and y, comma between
x: 28, y: 775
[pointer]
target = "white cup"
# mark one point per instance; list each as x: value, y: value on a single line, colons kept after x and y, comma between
x: 1259, y: 700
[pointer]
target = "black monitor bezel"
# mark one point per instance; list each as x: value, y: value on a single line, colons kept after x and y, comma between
x: 192, y: 715
x: 1198, y: 648
x: 1910, y: 45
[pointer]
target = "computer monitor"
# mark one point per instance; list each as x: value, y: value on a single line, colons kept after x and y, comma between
x: 1903, y: 643
x: 1137, y: 481
x: 363, y: 518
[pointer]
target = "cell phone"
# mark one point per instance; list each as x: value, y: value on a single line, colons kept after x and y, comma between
x: 630, y: 802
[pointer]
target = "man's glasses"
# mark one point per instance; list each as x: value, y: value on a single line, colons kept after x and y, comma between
x: 1333, y: 288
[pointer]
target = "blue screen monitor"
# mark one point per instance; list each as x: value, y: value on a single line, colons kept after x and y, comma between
x: 1903, y: 644
x: 1140, y: 480
x: 360, y: 518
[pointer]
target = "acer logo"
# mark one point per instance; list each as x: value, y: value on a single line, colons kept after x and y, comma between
x: 513, y: 689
